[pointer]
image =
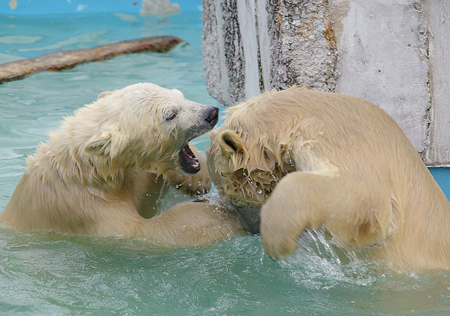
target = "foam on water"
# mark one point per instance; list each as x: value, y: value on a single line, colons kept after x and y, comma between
x: 53, y: 274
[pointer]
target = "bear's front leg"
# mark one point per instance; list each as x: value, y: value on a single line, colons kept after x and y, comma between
x: 354, y: 213
x: 190, y: 224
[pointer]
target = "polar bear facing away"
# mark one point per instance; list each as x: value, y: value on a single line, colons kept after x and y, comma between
x: 298, y: 158
x: 101, y: 172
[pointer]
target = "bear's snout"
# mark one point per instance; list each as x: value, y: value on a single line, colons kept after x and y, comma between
x: 211, y: 115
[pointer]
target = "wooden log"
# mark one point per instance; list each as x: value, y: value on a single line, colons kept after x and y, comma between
x: 66, y: 59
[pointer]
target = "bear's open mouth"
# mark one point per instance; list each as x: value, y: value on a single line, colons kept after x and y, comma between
x: 188, y: 162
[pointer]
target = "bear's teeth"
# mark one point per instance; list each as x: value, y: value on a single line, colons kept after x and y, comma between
x: 188, y: 153
x: 191, y: 157
x: 189, y: 162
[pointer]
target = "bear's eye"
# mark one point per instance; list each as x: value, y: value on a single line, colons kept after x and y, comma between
x: 170, y: 115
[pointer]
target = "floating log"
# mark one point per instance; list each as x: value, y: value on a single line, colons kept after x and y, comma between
x: 66, y: 59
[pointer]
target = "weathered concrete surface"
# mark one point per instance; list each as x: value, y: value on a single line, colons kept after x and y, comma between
x: 393, y: 53
x: 223, y: 51
x: 384, y: 59
x: 308, y: 50
x: 437, y: 14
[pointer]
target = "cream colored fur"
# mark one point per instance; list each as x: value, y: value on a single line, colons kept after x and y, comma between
x: 102, y: 172
x: 314, y: 159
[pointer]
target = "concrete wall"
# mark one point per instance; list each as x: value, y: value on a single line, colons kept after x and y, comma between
x: 392, y: 53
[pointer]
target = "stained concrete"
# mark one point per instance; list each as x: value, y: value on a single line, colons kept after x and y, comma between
x: 392, y: 53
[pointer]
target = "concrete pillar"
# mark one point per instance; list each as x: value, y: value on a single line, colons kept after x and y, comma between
x: 437, y: 13
x: 392, y: 53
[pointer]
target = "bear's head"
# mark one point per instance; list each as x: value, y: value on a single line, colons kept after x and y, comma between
x: 250, y: 152
x: 143, y: 127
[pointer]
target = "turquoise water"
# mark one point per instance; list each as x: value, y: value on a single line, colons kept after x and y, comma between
x: 53, y: 274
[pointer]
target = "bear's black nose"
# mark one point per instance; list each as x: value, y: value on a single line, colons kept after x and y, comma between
x: 211, y: 115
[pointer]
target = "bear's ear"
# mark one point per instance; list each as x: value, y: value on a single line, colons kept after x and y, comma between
x: 99, y: 144
x: 230, y: 143
x: 104, y: 94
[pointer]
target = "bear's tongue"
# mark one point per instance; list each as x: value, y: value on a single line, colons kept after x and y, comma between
x: 188, y: 161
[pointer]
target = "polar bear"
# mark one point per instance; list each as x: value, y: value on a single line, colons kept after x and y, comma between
x: 102, y: 171
x: 294, y: 159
